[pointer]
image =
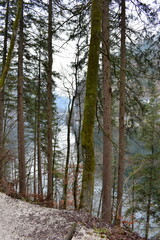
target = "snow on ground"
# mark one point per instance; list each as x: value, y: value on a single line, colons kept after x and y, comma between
x: 20, y: 220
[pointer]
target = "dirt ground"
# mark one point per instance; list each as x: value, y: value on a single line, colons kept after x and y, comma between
x: 20, y: 220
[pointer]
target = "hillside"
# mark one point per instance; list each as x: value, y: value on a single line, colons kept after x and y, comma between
x: 24, y: 221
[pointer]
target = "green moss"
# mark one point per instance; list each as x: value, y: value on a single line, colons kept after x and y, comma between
x: 102, y: 232
x: 90, y: 108
x: 12, y: 43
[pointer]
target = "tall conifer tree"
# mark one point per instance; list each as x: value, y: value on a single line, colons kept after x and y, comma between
x: 121, y: 117
x: 90, y: 109
x: 11, y: 46
x: 2, y: 162
x: 49, y: 105
x: 107, y: 145
x: 21, y: 141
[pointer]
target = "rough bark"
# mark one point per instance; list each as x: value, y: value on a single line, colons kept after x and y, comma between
x: 40, y: 190
x: 35, y: 159
x: 148, y: 216
x: 107, y: 128
x: 12, y: 43
x: 21, y: 142
x: 77, y: 140
x: 2, y: 161
x: 49, y: 106
x: 77, y: 127
x: 90, y: 109
x: 114, y: 185
x: 149, y: 200
x: 121, y: 118
x: 70, y: 112
x: 133, y: 203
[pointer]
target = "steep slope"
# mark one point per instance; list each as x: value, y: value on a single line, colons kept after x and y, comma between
x: 24, y: 221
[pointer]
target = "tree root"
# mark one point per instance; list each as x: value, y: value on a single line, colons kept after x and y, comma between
x: 71, y: 232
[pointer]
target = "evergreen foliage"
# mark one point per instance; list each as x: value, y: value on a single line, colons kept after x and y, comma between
x: 72, y: 29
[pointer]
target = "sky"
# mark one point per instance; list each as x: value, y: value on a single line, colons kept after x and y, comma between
x: 66, y: 51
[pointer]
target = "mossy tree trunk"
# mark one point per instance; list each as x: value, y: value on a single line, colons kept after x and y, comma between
x: 107, y: 127
x: 90, y: 109
x: 12, y: 43
x: 2, y: 160
x: 7, y: 57
x: 121, y: 118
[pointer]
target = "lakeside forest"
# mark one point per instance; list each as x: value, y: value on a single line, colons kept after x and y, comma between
x: 93, y: 69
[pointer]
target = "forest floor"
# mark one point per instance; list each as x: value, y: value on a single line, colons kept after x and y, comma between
x: 20, y: 220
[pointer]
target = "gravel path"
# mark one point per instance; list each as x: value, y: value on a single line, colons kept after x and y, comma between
x: 20, y: 220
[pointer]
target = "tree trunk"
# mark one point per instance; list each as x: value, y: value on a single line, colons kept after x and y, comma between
x: 90, y: 109
x: 21, y: 142
x: 77, y: 140
x: 121, y: 118
x: 2, y: 160
x: 114, y: 183
x: 77, y: 130
x: 70, y: 112
x: 148, y: 214
x: 133, y: 202
x: 12, y: 43
x: 35, y: 158
x: 49, y: 106
x: 40, y: 190
x: 107, y: 117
